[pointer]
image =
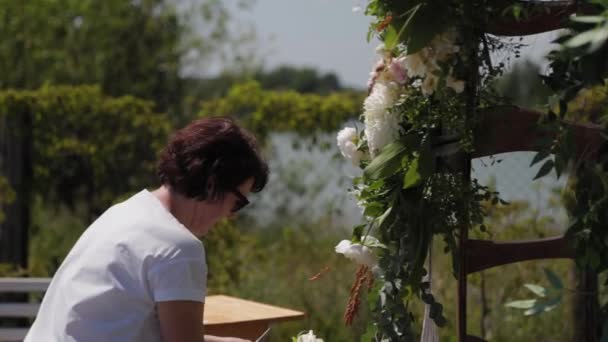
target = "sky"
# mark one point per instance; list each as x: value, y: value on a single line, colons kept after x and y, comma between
x: 325, y: 34
x: 329, y: 35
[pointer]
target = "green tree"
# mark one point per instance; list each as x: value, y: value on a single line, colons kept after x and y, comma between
x: 128, y: 47
x: 264, y: 111
x: 302, y: 80
x: 77, y: 146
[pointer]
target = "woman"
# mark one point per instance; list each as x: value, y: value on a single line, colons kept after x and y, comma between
x: 138, y: 273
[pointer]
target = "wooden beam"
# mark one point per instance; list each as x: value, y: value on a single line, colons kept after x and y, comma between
x: 513, y: 129
x: 537, y: 17
x: 484, y: 254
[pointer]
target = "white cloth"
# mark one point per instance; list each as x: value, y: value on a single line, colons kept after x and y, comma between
x: 132, y: 256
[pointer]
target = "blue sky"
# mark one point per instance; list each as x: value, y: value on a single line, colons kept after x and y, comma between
x: 328, y: 35
x: 325, y: 34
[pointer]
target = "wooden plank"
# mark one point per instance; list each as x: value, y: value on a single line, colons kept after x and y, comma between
x: 221, y: 309
x: 484, y: 254
x: 19, y: 309
x: 12, y: 334
x: 511, y: 129
x: 24, y: 285
x: 542, y: 16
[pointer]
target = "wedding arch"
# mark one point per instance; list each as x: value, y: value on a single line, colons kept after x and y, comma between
x: 430, y: 110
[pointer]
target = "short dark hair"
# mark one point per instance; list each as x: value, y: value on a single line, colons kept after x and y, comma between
x: 211, y: 151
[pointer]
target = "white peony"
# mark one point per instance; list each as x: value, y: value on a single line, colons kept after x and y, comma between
x: 381, y: 126
x: 308, y: 337
x: 347, y: 143
x: 361, y: 254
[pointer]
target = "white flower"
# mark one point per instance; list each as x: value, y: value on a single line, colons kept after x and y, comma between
x: 347, y: 143
x: 361, y: 254
x: 429, y: 85
x: 381, y: 126
x: 308, y: 337
x: 383, y: 52
x: 373, y: 76
x: 444, y: 45
x: 456, y: 85
x: 415, y: 65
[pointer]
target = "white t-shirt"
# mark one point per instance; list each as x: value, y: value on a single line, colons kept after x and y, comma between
x: 132, y: 256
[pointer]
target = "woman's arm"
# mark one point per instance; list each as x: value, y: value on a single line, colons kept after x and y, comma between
x: 181, y: 321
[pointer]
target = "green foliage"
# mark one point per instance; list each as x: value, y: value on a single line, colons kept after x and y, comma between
x: 127, y: 47
x: 547, y: 298
x: 265, y: 111
x: 522, y: 85
x: 276, y: 265
x: 54, y: 230
x: 87, y: 145
x: 302, y: 80
x: 134, y: 48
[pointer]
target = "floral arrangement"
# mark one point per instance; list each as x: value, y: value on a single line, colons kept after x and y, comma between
x: 415, y: 108
x: 425, y: 95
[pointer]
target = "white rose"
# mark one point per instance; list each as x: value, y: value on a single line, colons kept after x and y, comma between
x: 309, y: 337
x: 347, y: 143
x: 414, y: 64
x: 361, y: 254
x: 429, y: 85
x: 456, y: 85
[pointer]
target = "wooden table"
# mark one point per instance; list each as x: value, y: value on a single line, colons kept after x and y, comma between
x: 230, y: 316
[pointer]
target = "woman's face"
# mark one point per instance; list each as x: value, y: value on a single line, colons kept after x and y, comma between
x: 207, y: 213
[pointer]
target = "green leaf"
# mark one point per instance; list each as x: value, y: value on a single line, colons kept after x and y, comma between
x: 522, y: 304
x: 544, y: 170
x: 373, y: 209
x: 543, y: 306
x: 357, y: 233
x: 371, y: 241
x: 536, y: 289
x: 588, y: 19
x: 412, y: 177
x: 425, y: 25
x: 596, y: 37
x: 387, y: 162
x: 539, y: 157
x: 384, y: 216
x: 390, y: 38
x: 553, y: 279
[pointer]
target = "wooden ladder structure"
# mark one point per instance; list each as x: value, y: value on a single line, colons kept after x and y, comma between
x: 512, y: 129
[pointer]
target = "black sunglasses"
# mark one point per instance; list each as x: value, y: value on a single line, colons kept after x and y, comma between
x: 241, y: 202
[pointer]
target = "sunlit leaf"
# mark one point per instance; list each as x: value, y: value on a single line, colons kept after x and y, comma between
x: 536, y: 289
x: 521, y: 304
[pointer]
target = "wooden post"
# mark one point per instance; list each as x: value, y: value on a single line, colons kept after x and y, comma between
x: 16, y: 167
x: 586, y: 306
